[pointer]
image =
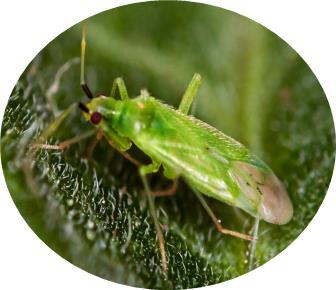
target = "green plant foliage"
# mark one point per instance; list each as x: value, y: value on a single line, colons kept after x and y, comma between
x: 93, y: 211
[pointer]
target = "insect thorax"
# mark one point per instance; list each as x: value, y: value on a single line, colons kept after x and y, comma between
x: 132, y: 117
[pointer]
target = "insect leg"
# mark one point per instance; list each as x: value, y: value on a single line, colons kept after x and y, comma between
x: 217, y: 223
x: 189, y: 94
x: 167, y: 192
x: 53, y: 127
x: 92, y: 146
x: 120, y: 84
x: 66, y: 143
x: 170, y: 174
x: 124, y: 153
x: 55, y: 124
x: 144, y: 170
x: 253, y: 245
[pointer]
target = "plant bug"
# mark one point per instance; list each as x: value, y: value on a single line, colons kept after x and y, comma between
x: 209, y: 161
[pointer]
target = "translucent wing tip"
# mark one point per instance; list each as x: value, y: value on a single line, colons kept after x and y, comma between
x: 276, y: 207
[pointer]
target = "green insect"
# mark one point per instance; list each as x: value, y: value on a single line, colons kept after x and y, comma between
x: 210, y: 162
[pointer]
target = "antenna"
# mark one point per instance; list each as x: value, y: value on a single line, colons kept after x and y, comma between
x: 84, y: 86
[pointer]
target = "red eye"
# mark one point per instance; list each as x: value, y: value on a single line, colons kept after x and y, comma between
x: 96, y: 118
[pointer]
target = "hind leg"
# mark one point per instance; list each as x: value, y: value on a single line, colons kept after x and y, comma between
x: 190, y: 94
x: 253, y: 245
x: 144, y: 171
x: 217, y: 223
x: 119, y: 84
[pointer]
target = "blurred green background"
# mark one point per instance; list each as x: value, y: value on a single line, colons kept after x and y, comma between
x: 255, y: 88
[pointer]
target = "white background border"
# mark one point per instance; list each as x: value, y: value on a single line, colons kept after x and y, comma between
x: 27, y: 26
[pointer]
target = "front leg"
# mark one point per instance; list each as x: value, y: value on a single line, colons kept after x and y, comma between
x: 64, y: 144
x: 52, y: 128
x: 144, y: 171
